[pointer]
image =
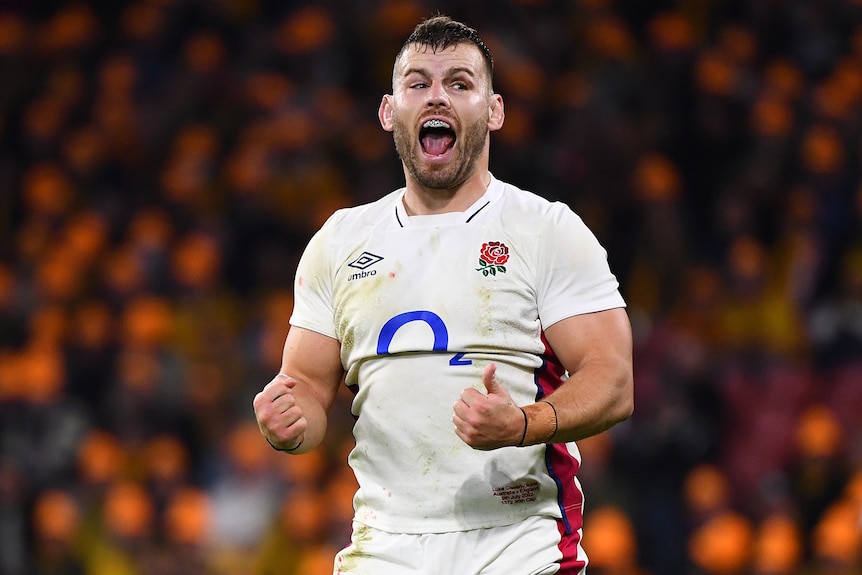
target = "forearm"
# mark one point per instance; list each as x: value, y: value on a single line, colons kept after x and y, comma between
x: 292, y: 409
x: 592, y: 400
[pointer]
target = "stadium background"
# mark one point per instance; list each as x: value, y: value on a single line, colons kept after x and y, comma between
x: 162, y: 163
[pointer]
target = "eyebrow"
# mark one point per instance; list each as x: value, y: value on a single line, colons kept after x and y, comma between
x: 448, y: 74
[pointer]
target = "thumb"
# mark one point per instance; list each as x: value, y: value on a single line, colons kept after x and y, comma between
x: 489, y: 378
x: 286, y: 380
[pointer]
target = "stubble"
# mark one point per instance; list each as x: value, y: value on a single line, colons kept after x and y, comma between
x: 468, y: 149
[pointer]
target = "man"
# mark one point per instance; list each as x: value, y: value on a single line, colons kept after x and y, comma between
x: 479, y: 327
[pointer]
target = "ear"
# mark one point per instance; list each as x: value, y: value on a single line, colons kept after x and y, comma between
x: 384, y: 114
x: 496, y: 112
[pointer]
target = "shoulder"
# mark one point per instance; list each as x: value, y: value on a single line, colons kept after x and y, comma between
x: 523, y: 208
x: 362, y: 217
x: 341, y: 232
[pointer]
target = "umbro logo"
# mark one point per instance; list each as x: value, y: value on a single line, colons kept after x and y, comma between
x: 365, y: 260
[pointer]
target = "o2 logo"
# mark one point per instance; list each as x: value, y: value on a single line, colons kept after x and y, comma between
x: 432, y: 320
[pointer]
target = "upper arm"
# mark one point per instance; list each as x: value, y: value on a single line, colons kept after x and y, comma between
x: 315, y: 360
x: 601, y: 338
x: 596, y: 350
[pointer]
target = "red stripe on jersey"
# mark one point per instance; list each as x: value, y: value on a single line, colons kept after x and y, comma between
x: 562, y: 465
x: 563, y: 468
x: 572, y: 563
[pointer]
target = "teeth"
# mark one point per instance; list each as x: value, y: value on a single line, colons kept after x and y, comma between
x: 436, y: 124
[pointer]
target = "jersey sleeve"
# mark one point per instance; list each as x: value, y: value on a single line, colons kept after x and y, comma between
x: 312, y: 286
x: 573, y: 275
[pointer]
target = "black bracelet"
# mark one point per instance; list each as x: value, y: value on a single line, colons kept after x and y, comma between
x: 523, y: 435
x: 294, y: 448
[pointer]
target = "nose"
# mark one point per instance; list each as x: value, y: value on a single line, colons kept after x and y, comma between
x: 437, y: 96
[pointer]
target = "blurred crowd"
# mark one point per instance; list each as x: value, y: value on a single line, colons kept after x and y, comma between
x: 163, y: 162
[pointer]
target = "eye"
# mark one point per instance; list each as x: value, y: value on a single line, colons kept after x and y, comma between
x: 460, y: 86
x: 418, y: 85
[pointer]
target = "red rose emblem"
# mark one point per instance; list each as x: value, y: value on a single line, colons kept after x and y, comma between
x: 495, y: 253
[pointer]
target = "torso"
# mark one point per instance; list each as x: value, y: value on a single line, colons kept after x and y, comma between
x: 419, y: 316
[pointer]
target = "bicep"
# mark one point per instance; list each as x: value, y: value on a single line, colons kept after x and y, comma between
x: 604, y: 337
x: 315, y: 360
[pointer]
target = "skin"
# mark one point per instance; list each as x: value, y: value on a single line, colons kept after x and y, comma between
x: 596, y: 349
x: 451, y: 85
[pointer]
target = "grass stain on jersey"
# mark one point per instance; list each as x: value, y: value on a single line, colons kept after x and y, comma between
x: 350, y: 558
x: 484, y: 319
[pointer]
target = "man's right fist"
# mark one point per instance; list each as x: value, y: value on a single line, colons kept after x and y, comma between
x: 279, y: 418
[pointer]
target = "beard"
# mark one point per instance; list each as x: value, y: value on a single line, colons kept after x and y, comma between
x: 468, y: 148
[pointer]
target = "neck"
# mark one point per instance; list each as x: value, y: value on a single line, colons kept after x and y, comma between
x: 422, y: 201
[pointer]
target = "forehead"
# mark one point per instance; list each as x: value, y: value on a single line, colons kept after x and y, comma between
x: 462, y: 56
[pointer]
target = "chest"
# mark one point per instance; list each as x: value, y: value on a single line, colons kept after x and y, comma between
x: 433, y: 289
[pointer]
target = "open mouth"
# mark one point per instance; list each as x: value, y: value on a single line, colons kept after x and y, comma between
x: 436, y: 137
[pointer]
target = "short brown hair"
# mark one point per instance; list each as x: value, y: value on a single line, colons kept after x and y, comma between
x: 439, y: 32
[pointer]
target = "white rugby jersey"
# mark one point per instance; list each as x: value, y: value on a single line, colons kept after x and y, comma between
x: 420, y: 305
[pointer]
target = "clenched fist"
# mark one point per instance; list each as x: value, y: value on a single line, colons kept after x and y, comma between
x: 280, y: 419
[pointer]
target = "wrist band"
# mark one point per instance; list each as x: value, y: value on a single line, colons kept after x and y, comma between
x: 523, y: 435
x: 294, y: 448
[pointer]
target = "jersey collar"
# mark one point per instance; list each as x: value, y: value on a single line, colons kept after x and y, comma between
x: 494, y: 190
